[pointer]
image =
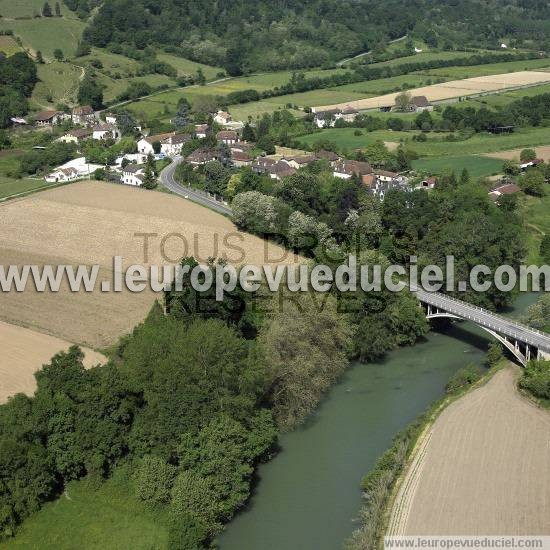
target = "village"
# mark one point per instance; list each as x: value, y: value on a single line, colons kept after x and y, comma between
x: 221, y: 140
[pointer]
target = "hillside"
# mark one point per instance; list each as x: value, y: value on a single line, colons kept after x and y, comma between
x: 244, y: 35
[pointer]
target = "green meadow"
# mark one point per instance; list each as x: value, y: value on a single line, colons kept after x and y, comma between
x: 47, y: 34
x: 58, y: 83
x: 477, y: 166
x: 94, y: 514
x: 9, y: 45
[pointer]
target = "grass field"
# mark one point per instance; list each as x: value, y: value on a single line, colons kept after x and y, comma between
x: 90, y: 222
x: 105, y: 517
x: 12, y: 186
x: 26, y: 8
x: 186, y: 66
x: 535, y: 213
x: 47, y: 34
x: 436, y: 144
x: 456, y: 485
x: 9, y: 46
x: 24, y: 351
x: 477, y: 166
x: 58, y: 83
x: 346, y: 139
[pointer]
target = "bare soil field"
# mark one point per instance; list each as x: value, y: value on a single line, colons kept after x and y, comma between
x: 481, y: 469
x: 89, y: 223
x: 513, y: 154
x: 23, y: 352
x: 453, y: 89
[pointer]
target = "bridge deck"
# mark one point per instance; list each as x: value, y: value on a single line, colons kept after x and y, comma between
x: 487, y: 319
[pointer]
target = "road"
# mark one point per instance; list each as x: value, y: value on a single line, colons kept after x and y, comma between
x: 168, y: 180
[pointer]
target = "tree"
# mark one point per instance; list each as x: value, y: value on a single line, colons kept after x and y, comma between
x: 149, y: 178
x: 153, y: 480
x: 545, y: 249
x: 533, y: 183
x: 464, y: 177
x: 248, y: 133
x: 494, y: 354
x: 182, y: 117
x: 200, y: 79
x: 82, y: 49
x: 58, y: 54
x: 510, y: 167
x: 527, y: 155
x: 90, y: 93
x: 46, y: 10
x: 57, y: 9
x: 403, y: 101
x: 39, y: 58
x: 538, y: 315
x: 302, y: 365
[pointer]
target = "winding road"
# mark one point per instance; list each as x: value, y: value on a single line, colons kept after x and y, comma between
x: 168, y: 180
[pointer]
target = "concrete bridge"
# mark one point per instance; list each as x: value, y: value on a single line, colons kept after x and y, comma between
x: 523, y: 342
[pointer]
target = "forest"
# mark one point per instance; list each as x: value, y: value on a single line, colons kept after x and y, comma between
x: 246, y: 36
x: 17, y: 80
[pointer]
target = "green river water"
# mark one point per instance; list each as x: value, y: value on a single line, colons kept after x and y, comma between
x: 307, y: 497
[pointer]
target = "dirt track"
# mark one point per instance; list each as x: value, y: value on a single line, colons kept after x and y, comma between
x: 23, y: 352
x: 89, y: 223
x: 452, y: 89
x: 482, y: 469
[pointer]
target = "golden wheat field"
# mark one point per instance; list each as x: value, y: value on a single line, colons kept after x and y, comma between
x: 481, y: 469
x: 89, y: 223
x: 23, y: 352
x: 453, y: 89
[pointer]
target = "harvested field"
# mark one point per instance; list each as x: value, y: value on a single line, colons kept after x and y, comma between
x: 513, y: 154
x: 481, y: 469
x: 454, y: 89
x: 89, y: 223
x: 23, y: 352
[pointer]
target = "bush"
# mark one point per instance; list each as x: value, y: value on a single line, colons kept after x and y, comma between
x: 153, y: 480
x: 536, y: 379
x: 466, y: 376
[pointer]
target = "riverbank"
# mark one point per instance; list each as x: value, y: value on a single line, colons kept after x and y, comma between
x: 476, y: 451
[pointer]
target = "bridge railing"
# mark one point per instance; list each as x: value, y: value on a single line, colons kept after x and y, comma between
x: 463, y: 304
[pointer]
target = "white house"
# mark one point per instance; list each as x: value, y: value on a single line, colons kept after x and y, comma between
x: 72, y: 170
x: 84, y: 115
x: 329, y: 117
x: 200, y: 130
x: 110, y: 118
x: 76, y: 136
x: 62, y: 175
x: 172, y: 146
x: 105, y: 131
x: 135, y: 158
x: 48, y: 118
x: 145, y: 144
x: 229, y: 137
x: 132, y: 175
x: 222, y: 117
x: 347, y: 168
x: 298, y: 161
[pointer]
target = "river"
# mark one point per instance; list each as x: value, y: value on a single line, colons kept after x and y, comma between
x: 307, y: 496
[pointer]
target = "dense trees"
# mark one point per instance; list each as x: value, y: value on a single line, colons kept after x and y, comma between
x: 17, y: 80
x: 297, y: 34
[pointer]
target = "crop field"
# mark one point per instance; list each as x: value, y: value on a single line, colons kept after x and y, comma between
x: 89, y: 223
x: 8, y: 45
x: 58, y: 83
x: 24, y: 351
x: 479, y: 470
x: 477, y: 166
x: 490, y: 68
x: 457, y: 88
x: 47, y: 33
